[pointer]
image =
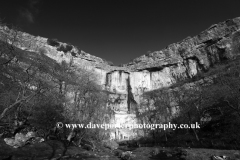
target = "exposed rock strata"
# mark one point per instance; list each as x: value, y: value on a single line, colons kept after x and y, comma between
x: 158, y: 69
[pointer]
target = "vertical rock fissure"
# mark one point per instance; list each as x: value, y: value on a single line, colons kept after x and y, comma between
x: 130, y: 97
x: 186, y: 64
x: 210, y: 57
x: 120, y: 76
x: 107, y: 79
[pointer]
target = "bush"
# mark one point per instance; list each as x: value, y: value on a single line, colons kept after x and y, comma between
x: 42, y: 50
x: 74, y: 54
x: 110, y: 63
x: 66, y: 48
x: 53, y: 42
x: 44, y: 117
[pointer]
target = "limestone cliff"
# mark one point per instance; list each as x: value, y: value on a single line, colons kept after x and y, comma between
x: 183, y: 60
x: 158, y: 69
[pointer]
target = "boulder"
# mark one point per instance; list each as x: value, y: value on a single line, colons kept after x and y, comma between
x: 110, y: 144
x: 88, y: 145
x: 9, y: 141
x: 21, y: 139
x: 30, y: 134
x: 155, y: 151
x: 127, y: 155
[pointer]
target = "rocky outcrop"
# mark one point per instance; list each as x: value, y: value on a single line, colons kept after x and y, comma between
x: 182, y: 60
x: 178, y: 61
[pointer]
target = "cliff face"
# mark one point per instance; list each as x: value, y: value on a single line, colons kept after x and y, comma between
x: 178, y: 61
x: 158, y: 69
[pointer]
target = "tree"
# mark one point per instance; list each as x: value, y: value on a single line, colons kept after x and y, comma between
x: 15, y: 79
x: 87, y: 103
x: 32, y: 85
x: 155, y: 108
x: 27, y: 78
x: 226, y: 88
x: 189, y: 101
